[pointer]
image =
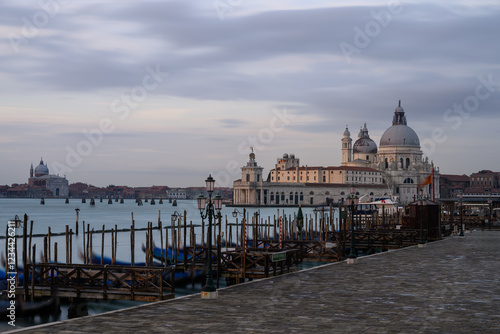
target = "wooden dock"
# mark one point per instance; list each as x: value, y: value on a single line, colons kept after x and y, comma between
x: 99, y: 282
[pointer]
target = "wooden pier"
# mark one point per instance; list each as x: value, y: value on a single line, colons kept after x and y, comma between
x: 99, y: 282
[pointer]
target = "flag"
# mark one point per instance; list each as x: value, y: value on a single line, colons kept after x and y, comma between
x: 428, y: 180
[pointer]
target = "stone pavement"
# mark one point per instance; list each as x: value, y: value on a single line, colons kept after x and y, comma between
x: 450, y: 286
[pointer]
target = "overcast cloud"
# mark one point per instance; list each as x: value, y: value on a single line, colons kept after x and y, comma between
x: 207, y: 83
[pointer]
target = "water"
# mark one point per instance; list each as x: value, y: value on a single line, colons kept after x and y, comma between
x: 56, y: 215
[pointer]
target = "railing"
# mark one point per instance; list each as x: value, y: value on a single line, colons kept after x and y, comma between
x: 258, y: 264
x: 97, y: 281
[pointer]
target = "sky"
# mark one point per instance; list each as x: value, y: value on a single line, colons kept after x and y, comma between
x: 147, y: 92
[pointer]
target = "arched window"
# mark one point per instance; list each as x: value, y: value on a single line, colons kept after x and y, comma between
x: 301, y: 196
x: 342, y: 193
x: 386, y: 163
x: 248, y: 177
x: 324, y: 178
x: 311, y: 193
x: 401, y: 162
x: 407, y: 162
x: 291, y: 196
x: 408, y: 180
x: 327, y: 193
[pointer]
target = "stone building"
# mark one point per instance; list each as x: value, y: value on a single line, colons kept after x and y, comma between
x: 41, y: 183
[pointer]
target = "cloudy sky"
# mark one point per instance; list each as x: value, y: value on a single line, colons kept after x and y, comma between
x: 165, y: 92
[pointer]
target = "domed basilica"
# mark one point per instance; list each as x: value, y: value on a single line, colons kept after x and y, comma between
x: 41, y: 183
x: 399, y: 158
x: 393, y: 170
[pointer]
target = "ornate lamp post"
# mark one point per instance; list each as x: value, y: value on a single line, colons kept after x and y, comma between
x: 209, y: 209
x: 421, y: 204
x: 490, y: 202
x: 352, y: 201
x: 461, y: 196
x: 300, y: 222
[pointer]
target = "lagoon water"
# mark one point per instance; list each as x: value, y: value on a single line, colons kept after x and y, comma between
x: 56, y: 215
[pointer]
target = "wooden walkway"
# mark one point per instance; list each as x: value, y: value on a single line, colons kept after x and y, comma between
x: 99, y: 282
x: 450, y: 286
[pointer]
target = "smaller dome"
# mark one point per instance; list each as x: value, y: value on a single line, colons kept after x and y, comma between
x: 285, y: 156
x: 346, y: 132
x: 41, y: 169
x: 364, y: 145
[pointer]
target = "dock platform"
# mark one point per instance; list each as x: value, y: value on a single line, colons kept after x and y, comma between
x: 449, y: 286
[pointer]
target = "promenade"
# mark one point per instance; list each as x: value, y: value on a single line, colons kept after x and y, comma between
x: 450, y: 286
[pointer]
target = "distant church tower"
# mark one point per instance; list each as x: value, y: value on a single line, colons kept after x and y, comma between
x: 251, y: 172
x: 346, y: 147
x: 31, y: 170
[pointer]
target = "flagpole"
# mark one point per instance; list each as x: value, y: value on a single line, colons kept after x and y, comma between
x: 433, y: 194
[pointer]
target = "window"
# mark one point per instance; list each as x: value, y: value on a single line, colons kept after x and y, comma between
x: 386, y: 163
x: 258, y: 177
x: 407, y: 163
x: 248, y: 178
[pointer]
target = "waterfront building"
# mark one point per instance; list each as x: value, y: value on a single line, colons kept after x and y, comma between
x: 41, y: 183
x: 394, y: 170
x: 177, y: 193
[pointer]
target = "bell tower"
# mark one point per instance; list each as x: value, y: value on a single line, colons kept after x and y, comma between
x: 346, y: 147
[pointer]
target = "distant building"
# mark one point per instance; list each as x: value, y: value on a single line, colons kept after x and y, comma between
x: 485, y: 179
x: 451, y: 185
x: 177, y: 193
x: 394, y: 171
x: 41, y: 183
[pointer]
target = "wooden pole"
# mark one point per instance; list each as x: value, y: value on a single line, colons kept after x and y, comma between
x: 132, y: 242
x: 33, y: 274
x: 48, y: 240
x: 84, y: 250
x: 102, y: 244
x: 70, y: 245
x: 166, y: 245
x: 55, y: 252
x: 112, y: 247
x: 45, y: 249
x: 116, y: 241
x: 161, y: 241
x: 31, y: 235
x: 67, y: 243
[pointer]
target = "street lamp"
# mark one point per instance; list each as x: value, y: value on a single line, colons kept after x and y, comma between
x: 300, y: 222
x: 176, y: 215
x: 461, y: 196
x: 16, y: 222
x: 490, y: 202
x: 421, y: 204
x: 352, y: 201
x: 211, y: 209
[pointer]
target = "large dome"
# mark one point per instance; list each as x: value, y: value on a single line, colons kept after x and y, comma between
x: 41, y: 169
x: 364, y: 144
x: 399, y: 134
